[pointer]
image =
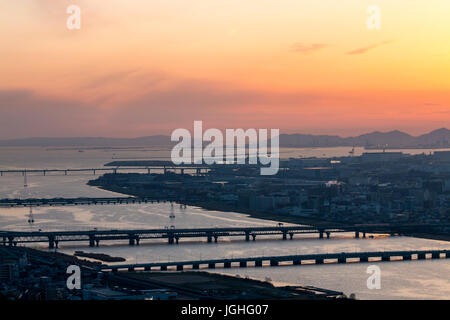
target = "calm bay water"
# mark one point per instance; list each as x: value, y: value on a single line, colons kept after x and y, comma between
x: 400, y: 280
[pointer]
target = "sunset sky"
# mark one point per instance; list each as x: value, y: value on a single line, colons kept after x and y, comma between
x: 144, y: 67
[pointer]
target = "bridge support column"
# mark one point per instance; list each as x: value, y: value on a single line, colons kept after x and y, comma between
x: 284, y: 235
x: 328, y: 235
x: 179, y: 267
x: 227, y: 265
x: 215, y: 238
x: 364, y: 235
x: 137, y: 240
x: 273, y: 263
x: 182, y: 172
x: 319, y: 261
x: 4, y: 241
x: 254, y: 237
x: 147, y: 268
x: 163, y: 268
x: 148, y: 170
x: 447, y: 255
x: 407, y: 257
x: 364, y: 259
x: 97, y: 242
x: 385, y: 258
x: 321, y: 235
x: 421, y: 256
x: 243, y: 264
x: 170, y: 239
x: 211, y: 265
x: 342, y: 260
x: 131, y: 268
x: 177, y: 239
x: 357, y: 234
x: 196, y: 266
x: 297, y: 262
x: 131, y: 241
x: 291, y: 236
x: 258, y: 263
x: 91, y: 241
x: 247, y: 236
x: 51, y: 242
x: 435, y: 255
x: 209, y: 239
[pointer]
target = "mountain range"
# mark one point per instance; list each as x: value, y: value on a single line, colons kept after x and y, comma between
x: 439, y: 138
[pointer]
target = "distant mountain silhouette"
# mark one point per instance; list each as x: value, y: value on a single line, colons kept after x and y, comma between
x: 394, y: 139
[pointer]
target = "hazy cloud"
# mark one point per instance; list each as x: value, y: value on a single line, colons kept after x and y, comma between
x: 368, y: 48
x: 308, y: 48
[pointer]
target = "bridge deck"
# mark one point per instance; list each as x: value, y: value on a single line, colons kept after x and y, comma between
x: 276, y: 260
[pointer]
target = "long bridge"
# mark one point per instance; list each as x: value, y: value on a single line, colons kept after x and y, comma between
x: 39, y: 202
x: 134, y: 236
x: 273, y: 261
x: 198, y: 169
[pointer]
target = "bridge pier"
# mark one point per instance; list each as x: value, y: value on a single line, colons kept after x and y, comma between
x: 364, y: 259
x: 319, y: 261
x: 97, y: 242
x: 91, y: 241
x: 163, y: 268
x: 297, y: 262
x: 273, y: 263
x: 147, y: 268
x: 209, y: 238
x: 320, y: 235
x: 177, y: 239
x: 291, y: 236
x: 247, y: 236
x: 254, y: 237
x: 227, y: 265
x: 357, y: 234
x: 131, y: 268
x: 179, y: 267
x: 421, y: 256
x: 258, y: 263
x: 243, y: 264
x: 364, y: 235
x: 284, y: 235
x: 196, y: 266
x: 407, y: 257
x: 385, y: 258
x: 51, y: 242
x: 170, y: 239
x: 131, y: 241
x: 216, y: 238
x: 211, y: 265
x: 342, y: 260
x: 435, y: 255
x: 328, y: 235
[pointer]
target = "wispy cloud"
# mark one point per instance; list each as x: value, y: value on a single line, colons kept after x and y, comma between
x: 307, y: 48
x: 368, y: 48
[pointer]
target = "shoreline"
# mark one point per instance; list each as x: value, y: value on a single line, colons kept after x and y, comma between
x: 281, y: 218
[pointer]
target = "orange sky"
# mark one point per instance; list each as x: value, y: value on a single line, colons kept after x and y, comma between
x: 142, y: 67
